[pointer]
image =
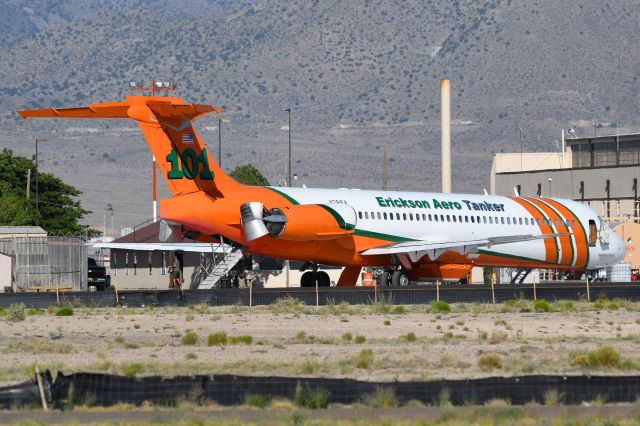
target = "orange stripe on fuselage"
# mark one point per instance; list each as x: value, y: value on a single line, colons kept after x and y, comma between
x: 578, y: 233
x: 549, y: 246
x: 565, y: 242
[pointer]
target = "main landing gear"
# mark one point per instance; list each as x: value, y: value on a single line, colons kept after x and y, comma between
x: 388, y: 276
x: 310, y: 278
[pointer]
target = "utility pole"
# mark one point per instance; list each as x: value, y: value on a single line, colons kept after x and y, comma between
x: 385, y: 180
x: 220, y: 142
x: 288, y: 184
x: 37, y: 188
x: 289, y: 157
x: 28, y: 184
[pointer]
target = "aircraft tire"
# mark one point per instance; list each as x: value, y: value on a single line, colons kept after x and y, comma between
x: 384, y: 279
x: 323, y: 279
x: 307, y: 280
x: 400, y: 278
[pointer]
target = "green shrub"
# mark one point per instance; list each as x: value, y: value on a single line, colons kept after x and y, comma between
x: 35, y: 311
x: 382, y: 397
x: 301, y: 336
x: 398, y: 310
x: 16, y: 312
x: 604, y: 356
x: 364, y: 359
x: 217, y: 339
x: 613, y: 307
x: 191, y: 356
x: 190, y: 338
x: 498, y: 337
x: 347, y: 337
x: 387, y: 322
x: 489, y: 362
x: 441, y: 306
x: 257, y: 400
x: 288, y: 305
x: 411, y: 337
x: 65, y: 311
x: 541, y: 305
x: 237, y: 340
x: 306, y: 397
x: 360, y: 339
x: 132, y: 369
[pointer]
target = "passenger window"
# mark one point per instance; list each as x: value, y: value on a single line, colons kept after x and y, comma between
x: 473, y: 219
x: 417, y: 217
x: 460, y: 218
x: 448, y: 218
x: 538, y: 221
x: 520, y: 220
x: 593, y: 233
x: 509, y: 221
x: 502, y: 220
x: 404, y: 216
x: 574, y: 223
x: 484, y: 219
x: 366, y: 215
x: 429, y: 217
x: 424, y: 217
x: 435, y: 217
x: 398, y: 216
x: 441, y: 218
x: 384, y: 215
x: 466, y: 219
x: 379, y: 216
x: 359, y: 215
x: 491, y: 220
x: 454, y: 218
x: 556, y: 222
x: 410, y: 216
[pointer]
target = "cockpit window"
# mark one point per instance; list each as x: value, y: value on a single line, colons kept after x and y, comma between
x: 593, y: 233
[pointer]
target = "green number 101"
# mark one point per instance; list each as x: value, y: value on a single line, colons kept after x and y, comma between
x: 189, y: 164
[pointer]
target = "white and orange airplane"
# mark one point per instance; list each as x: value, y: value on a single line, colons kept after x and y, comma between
x: 411, y: 235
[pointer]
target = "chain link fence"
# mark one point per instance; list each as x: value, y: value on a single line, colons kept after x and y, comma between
x: 51, y: 261
x: 411, y: 295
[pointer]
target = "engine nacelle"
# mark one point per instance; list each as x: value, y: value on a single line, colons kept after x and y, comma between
x: 314, y: 222
x: 309, y: 222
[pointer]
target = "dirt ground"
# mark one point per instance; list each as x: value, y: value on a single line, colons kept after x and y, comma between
x: 362, y: 342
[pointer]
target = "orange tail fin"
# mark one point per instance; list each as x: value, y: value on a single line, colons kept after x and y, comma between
x: 183, y: 159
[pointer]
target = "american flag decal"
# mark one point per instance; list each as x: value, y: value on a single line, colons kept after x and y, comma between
x: 187, y: 138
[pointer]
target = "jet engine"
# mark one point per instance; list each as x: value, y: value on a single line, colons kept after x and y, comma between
x: 309, y: 222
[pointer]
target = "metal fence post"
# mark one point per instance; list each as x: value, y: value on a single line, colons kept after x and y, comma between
x: 438, y: 290
x: 493, y: 292
x: 251, y: 292
x: 535, y: 296
x: 317, y: 295
x: 43, y: 398
x: 588, y: 296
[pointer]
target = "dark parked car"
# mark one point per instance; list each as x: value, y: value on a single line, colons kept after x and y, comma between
x: 97, y: 275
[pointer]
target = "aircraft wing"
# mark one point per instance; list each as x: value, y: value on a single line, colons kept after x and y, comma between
x: 188, y: 247
x: 418, y: 249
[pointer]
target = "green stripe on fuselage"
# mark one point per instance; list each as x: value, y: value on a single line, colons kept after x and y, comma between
x: 287, y: 196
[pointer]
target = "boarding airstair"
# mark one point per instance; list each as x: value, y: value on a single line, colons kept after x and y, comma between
x: 518, y: 275
x: 223, y: 258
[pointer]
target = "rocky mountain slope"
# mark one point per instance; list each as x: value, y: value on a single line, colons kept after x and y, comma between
x: 357, y: 74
